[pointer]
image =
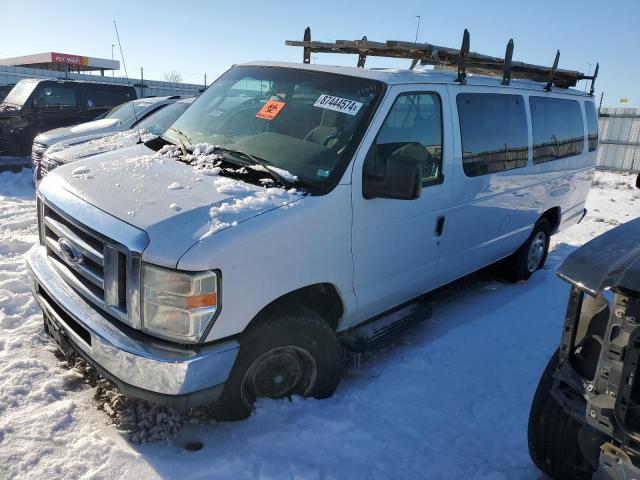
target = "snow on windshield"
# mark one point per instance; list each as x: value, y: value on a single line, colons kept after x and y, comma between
x: 246, y: 197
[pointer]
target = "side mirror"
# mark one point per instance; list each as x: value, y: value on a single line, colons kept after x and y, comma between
x: 401, y: 177
x: 638, y: 181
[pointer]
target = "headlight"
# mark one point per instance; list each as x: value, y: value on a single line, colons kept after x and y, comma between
x: 178, y: 306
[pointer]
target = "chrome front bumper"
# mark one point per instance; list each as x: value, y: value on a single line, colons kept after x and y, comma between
x: 138, y: 364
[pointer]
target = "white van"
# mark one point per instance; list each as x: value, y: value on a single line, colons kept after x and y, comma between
x: 294, y: 209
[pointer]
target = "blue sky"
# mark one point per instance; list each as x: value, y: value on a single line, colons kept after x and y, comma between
x: 195, y: 38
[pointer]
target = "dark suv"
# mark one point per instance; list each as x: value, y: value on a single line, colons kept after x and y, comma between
x: 34, y: 106
x: 585, y: 418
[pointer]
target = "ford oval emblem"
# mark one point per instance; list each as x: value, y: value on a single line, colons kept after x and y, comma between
x: 69, y: 251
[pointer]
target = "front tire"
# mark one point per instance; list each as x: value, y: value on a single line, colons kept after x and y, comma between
x: 288, y: 352
x: 553, y: 434
x: 531, y: 256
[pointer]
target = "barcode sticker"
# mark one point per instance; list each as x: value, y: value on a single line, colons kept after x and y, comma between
x: 342, y: 105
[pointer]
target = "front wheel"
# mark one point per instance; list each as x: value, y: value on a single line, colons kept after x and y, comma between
x: 289, y: 352
x: 531, y: 255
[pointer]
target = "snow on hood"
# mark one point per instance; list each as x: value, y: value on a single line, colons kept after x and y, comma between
x: 70, y: 151
x: 175, y: 203
x: 94, y: 125
x: 58, y: 134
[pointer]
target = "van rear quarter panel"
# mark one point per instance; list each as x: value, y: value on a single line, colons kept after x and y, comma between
x: 494, y: 214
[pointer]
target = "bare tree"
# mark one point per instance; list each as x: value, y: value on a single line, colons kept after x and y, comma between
x: 173, y: 76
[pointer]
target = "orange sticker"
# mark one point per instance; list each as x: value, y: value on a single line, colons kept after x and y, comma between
x: 270, y: 110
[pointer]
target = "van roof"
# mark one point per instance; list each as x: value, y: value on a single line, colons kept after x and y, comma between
x: 396, y: 76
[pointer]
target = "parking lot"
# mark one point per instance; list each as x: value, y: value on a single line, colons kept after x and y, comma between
x: 447, y: 399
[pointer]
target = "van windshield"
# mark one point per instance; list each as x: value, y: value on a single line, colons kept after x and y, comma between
x: 20, y: 93
x: 305, y: 122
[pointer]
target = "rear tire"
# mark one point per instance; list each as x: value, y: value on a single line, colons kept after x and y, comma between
x: 288, y: 352
x: 531, y: 256
x: 553, y: 434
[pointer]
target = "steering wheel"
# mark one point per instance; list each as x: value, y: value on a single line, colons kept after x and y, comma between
x: 328, y: 138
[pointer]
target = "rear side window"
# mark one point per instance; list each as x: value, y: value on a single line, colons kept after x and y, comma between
x: 592, y: 126
x: 412, y: 129
x: 100, y: 99
x: 558, y: 131
x: 493, y: 130
x: 56, y: 98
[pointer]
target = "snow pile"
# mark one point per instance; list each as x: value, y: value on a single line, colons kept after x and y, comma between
x: 222, y: 216
x: 82, y: 172
x: 449, y: 398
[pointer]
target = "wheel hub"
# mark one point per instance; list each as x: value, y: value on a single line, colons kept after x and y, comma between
x: 277, y: 375
x: 280, y: 372
x: 536, y: 251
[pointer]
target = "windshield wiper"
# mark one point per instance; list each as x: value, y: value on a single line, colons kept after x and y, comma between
x: 181, y: 135
x: 253, y: 160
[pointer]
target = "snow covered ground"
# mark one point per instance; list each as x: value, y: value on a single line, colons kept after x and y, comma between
x: 447, y: 399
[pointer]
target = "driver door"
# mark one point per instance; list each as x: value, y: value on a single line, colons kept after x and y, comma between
x: 397, y: 243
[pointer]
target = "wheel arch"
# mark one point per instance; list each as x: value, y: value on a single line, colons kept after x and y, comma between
x: 322, y: 298
x: 553, y: 216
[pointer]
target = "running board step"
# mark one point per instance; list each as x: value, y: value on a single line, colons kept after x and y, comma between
x: 379, y: 328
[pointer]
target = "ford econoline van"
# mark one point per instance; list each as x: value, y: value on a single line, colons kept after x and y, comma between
x: 297, y: 209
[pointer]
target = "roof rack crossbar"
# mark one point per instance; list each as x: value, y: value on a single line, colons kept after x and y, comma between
x: 463, y: 57
x: 506, y: 69
x: 463, y: 60
x: 552, y: 71
x: 593, y: 80
x: 306, y: 52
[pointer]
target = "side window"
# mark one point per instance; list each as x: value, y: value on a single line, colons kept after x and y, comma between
x: 413, y: 129
x: 56, y: 98
x: 592, y: 126
x: 493, y: 130
x: 100, y: 99
x: 558, y: 131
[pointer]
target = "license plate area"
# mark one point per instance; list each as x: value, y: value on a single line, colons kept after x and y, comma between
x: 58, y: 335
x: 54, y: 327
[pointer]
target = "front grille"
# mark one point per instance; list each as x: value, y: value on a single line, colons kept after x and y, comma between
x: 46, y: 165
x: 37, y: 151
x: 101, y: 270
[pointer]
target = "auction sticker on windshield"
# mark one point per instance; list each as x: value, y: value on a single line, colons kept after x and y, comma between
x: 342, y: 105
x: 270, y: 110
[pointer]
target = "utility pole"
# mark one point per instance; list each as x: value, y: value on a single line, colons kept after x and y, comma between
x: 417, y: 28
x: 112, y: 72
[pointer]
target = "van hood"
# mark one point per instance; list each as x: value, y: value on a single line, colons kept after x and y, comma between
x: 56, y: 135
x: 89, y: 145
x: 174, y: 203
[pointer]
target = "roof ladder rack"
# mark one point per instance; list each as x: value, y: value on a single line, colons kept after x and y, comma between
x: 463, y: 59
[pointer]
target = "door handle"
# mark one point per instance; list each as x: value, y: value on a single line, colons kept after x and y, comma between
x: 439, y: 226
